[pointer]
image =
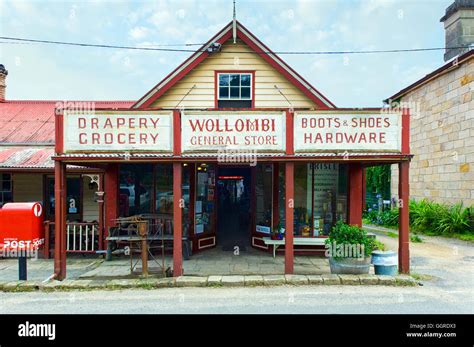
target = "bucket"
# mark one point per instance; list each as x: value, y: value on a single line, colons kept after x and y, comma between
x: 385, y: 263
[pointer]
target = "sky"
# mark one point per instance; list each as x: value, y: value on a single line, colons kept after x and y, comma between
x: 47, y: 72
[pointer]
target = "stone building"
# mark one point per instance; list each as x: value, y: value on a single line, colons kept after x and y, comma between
x: 442, y: 118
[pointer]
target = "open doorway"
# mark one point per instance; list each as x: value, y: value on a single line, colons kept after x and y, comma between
x: 233, y: 217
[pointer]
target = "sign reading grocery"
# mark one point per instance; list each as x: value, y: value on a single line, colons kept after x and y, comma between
x: 255, y: 131
x: 118, y: 131
x: 375, y: 132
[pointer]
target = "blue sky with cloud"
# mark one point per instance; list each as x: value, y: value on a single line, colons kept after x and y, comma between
x: 67, y: 73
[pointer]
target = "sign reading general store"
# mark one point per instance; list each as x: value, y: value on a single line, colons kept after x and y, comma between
x: 260, y: 131
x: 118, y: 131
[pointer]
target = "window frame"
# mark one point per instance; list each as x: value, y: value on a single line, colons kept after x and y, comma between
x: 217, y: 97
x: 2, y: 202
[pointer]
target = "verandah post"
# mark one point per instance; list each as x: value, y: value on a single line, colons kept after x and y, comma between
x: 60, y: 220
x: 177, y: 221
x: 289, y: 206
x: 403, y: 218
x: 355, y: 194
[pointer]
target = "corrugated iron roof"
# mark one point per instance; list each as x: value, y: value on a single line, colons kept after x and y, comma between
x: 32, y: 121
x: 27, y: 157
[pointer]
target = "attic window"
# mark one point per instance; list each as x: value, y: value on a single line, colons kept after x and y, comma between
x: 235, y: 90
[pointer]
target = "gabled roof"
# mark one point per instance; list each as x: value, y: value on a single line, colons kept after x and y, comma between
x: 32, y: 121
x: 254, y: 43
x: 452, y: 64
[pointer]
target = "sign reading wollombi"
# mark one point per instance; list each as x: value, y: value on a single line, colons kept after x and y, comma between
x: 374, y: 132
x: 118, y: 131
x: 254, y: 131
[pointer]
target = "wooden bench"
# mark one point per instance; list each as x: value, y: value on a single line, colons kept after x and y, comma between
x: 297, y: 241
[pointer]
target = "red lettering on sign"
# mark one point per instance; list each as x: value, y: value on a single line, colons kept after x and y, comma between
x: 81, y: 122
x: 82, y: 138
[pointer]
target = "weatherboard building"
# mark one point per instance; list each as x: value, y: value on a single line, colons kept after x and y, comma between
x: 228, y: 147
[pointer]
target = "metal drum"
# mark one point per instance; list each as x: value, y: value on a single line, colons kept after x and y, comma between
x: 385, y: 262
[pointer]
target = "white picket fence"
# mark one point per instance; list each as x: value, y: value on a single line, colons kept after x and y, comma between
x: 81, y: 237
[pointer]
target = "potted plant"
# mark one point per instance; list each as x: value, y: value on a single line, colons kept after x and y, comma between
x: 349, y: 249
x: 277, y: 232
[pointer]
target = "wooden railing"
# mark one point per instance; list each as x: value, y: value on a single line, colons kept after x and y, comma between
x: 81, y: 237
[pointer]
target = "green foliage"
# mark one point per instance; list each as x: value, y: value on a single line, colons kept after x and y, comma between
x: 424, y: 215
x: 430, y: 218
x: 379, y: 246
x: 454, y: 219
x: 345, y: 234
x: 378, y: 180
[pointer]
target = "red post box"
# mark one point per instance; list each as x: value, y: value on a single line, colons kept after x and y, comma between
x: 21, y: 226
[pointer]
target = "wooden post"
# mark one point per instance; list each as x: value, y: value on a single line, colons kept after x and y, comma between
x: 47, y: 244
x: 100, y: 202
x: 60, y: 220
x: 403, y: 218
x: 177, y: 221
x: 289, y: 207
x: 364, y: 187
x: 355, y: 194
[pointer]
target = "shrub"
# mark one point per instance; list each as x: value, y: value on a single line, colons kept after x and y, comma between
x: 430, y: 217
x: 371, y: 216
x: 389, y: 217
x: 344, y: 234
x: 455, y: 219
x: 425, y: 215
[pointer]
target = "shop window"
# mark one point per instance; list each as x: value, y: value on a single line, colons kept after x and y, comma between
x: 73, y: 199
x: 136, y: 189
x: 330, y: 196
x: 6, y: 189
x: 185, y: 195
x: 234, y: 90
x: 164, y: 189
x: 320, y: 197
x: 205, y: 198
x: 263, y: 199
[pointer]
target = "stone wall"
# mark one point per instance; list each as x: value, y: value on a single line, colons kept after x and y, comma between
x: 442, y: 138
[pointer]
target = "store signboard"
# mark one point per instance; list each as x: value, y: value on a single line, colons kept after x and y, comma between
x: 351, y: 131
x: 215, y: 131
x: 118, y: 131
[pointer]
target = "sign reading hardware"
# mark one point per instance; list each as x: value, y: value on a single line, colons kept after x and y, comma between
x: 256, y: 131
x: 118, y: 131
x: 315, y: 132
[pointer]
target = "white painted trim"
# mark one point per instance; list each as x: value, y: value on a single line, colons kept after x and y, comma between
x: 258, y: 246
x: 207, y: 246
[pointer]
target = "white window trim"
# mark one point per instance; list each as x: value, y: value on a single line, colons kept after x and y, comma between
x: 240, y: 86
